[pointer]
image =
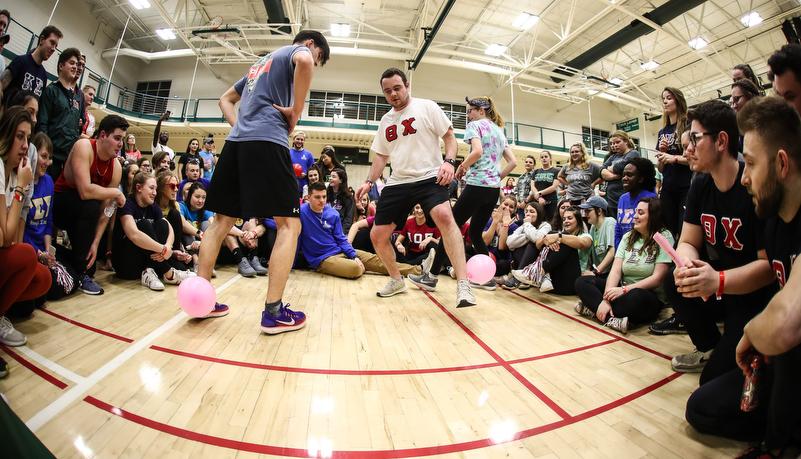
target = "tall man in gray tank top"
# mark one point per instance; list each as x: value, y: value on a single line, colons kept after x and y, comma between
x: 254, y: 176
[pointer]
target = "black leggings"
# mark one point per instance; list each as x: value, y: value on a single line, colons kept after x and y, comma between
x: 175, y: 220
x: 476, y: 203
x: 524, y: 256
x: 79, y: 219
x: 129, y: 260
x: 415, y: 258
x: 563, y: 266
x: 673, y: 203
x: 267, y: 242
x: 639, y: 305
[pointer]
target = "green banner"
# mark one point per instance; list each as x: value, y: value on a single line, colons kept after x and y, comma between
x: 629, y: 125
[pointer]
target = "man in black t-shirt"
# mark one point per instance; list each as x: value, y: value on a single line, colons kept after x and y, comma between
x: 734, y: 274
x: 772, y: 151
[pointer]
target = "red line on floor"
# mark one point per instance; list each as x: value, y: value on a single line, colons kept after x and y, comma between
x: 538, y: 393
x: 322, y: 371
x: 24, y: 362
x: 576, y: 319
x: 96, y: 330
x: 411, y: 452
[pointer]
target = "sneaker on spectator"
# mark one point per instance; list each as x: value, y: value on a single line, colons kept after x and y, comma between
x: 670, y: 326
x: 464, y: 294
x: 218, y: 311
x: 88, y: 286
x: 178, y: 276
x: 546, y: 285
x: 151, y: 280
x: 9, y: 336
x: 620, y: 324
x: 693, y: 362
x: 393, y: 287
x: 424, y: 281
x: 245, y: 269
x: 257, y: 266
x: 3, y: 368
x: 583, y: 310
x: 500, y: 280
x: 511, y: 283
x: 520, y: 275
x: 451, y: 272
x: 428, y: 261
x: 489, y: 285
x: 288, y: 320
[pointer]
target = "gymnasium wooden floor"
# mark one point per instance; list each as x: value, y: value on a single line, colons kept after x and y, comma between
x: 128, y: 374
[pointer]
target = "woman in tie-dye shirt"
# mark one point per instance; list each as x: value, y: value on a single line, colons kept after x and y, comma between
x: 482, y: 173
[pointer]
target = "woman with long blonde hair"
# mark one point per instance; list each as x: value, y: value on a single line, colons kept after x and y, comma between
x: 580, y: 175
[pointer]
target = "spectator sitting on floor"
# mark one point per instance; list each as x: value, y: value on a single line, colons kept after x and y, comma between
x: 325, y: 247
x: 143, y: 239
x: 191, y: 175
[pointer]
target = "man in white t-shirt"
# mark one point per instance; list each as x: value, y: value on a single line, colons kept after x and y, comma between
x: 160, y: 139
x: 410, y: 134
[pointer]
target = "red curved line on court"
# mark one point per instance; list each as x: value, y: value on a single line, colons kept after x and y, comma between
x: 24, y: 362
x: 506, y: 365
x: 322, y: 371
x: 576, y: 319
x: 411, y: 452
x: 79, y: 324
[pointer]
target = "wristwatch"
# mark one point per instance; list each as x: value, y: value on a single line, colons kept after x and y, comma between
x: 451, y: 162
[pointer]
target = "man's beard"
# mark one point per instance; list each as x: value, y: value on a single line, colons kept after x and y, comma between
x: 770, y: 199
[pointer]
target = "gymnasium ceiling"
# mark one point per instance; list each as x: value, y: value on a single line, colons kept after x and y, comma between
x: 566, y: 29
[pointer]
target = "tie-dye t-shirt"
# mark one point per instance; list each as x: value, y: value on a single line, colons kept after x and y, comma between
x: 487, y: 170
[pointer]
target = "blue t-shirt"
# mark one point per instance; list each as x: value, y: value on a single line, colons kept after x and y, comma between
x: 626, y: 207
x: 40, y: 218
x: 180, y: 195
x: 321, y: 235
x: 208, y: 160
x: 486, y: 171
x: 27, y: 75
x: 306, y: 160
x: 270, y: 81
x: 192, y: 215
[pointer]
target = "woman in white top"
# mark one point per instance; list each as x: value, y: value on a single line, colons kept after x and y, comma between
x: 523, y: 241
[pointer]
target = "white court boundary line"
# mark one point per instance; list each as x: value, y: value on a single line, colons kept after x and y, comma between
x: 58, y: 405
x: 50, y: 365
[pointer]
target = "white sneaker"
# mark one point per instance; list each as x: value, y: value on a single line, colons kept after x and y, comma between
x: 620, y: 324
x: 694, y: 362
x: 464, y: 294
x: 393, y: 287
x: 546, y: 285
x: 451, y: 272
x: 178, y: 276
x: 9, y: 336
x: 151, y: 280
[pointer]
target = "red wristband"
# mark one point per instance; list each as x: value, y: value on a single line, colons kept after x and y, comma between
x: 720, y: 287
x: 18, y: 196
x: 164, y: 252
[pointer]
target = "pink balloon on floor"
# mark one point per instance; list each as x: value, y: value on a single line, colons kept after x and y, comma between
x: 196, y: 296
x: 480, y: 269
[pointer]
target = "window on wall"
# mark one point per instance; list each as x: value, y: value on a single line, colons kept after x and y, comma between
x: 151, y: 97
x: 366, y: 107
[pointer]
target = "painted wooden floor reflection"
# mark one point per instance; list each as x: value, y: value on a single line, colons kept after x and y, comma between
x: 127, y: 374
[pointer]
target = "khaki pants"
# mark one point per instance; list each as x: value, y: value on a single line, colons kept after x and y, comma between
x: 340, y: 265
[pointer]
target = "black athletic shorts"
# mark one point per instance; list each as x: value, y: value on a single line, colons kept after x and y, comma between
x: 398, y: 200
x: 254, y: 179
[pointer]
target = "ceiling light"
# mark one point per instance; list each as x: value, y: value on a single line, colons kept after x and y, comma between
x: 525, y: 21
x: 495, y: 50
x: 697, y: 43
x: 650, y: 65
x: 340, y: 29
x: 616, y: 81
x: 751, y: 19
x: 165, y: 34
x: 140, y: 4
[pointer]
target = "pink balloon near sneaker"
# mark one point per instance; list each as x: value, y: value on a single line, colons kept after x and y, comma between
x: 196, y: 296
x: 480, y: 269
